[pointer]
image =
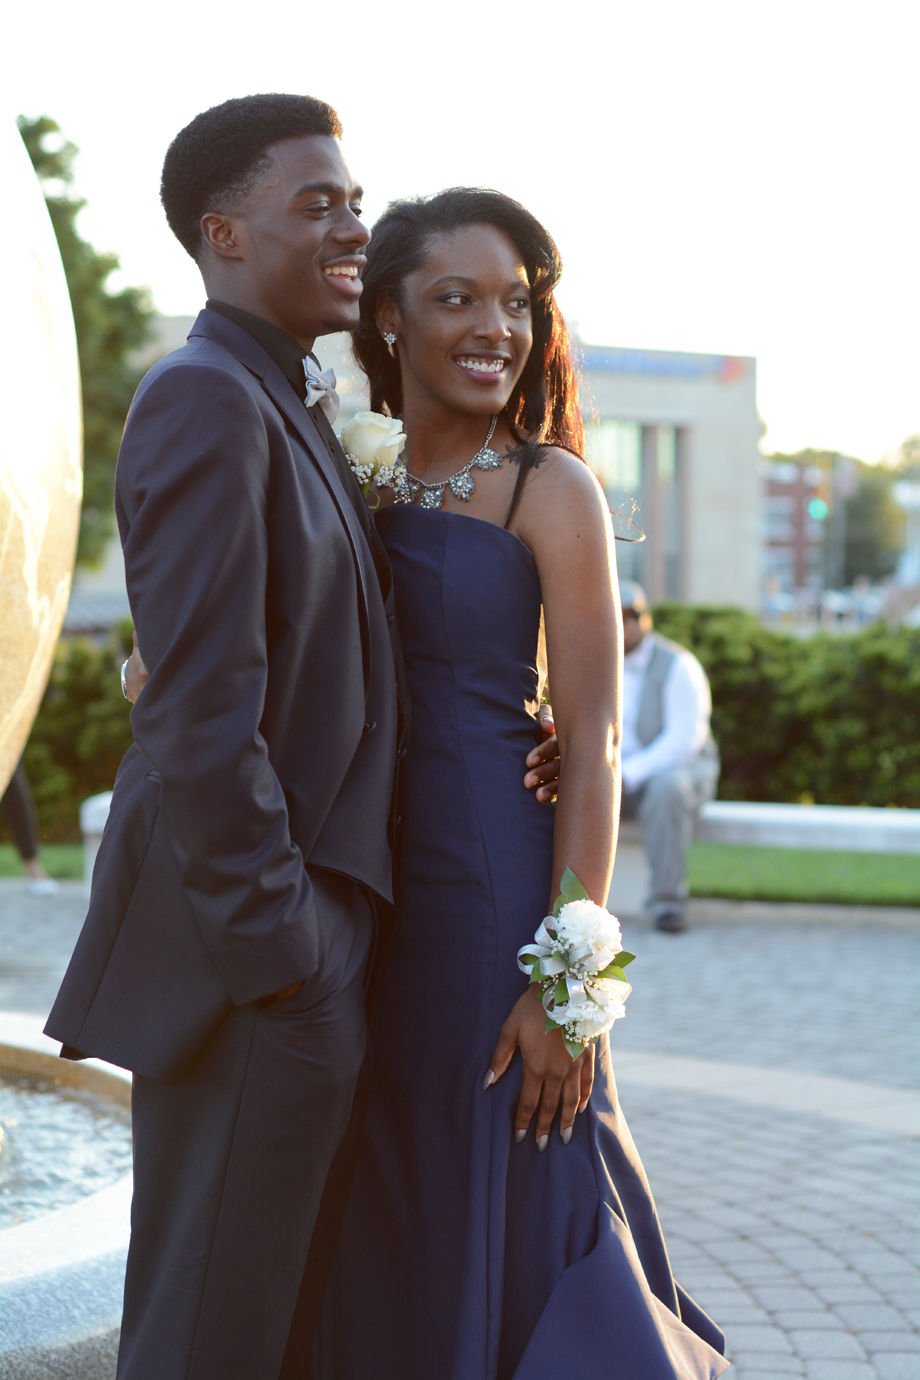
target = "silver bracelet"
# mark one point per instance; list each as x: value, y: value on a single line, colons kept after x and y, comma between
x: 124, y: 681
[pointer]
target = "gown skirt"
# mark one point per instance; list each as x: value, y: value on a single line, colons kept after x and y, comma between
x: 463, y: 1255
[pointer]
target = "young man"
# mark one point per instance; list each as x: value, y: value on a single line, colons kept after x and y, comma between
x: 232, y: 916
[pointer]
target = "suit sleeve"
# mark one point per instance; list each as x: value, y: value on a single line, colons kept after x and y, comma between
x: 192, y: 488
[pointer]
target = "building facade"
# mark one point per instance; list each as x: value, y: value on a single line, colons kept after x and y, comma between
x: 796, y: 503
x: 679, y: 432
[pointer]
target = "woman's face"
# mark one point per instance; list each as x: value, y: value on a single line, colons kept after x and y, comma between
x: 463, y: 322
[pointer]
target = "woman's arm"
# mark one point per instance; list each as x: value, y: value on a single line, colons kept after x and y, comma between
x: 575, y: 559
x: 577, y: 567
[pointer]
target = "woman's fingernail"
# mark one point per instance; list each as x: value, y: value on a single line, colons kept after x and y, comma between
x: 519, y: 1136
x: 566, y: 1135
x: 488, y: 1080
x: 582, y: 1107
x: 542, y: 1143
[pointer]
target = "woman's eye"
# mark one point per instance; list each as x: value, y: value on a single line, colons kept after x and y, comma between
x: 457, y: 299
x: 520, y: 303
x: 357, y: 211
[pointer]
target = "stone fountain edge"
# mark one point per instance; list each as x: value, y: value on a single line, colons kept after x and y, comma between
x: 61, y: 1274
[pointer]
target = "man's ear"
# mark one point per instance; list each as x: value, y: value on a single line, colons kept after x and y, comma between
x: 220, y: 235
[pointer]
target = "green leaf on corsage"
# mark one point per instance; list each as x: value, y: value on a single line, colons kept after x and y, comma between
x: 613, y: 971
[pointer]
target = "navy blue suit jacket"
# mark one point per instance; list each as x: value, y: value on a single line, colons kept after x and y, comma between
x: 265, y: 737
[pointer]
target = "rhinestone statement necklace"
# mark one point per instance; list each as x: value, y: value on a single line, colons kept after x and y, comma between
x: 461, y: 484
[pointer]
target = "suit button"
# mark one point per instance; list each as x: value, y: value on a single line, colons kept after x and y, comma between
x: 370, y: 726
x: 401, y: 753
x: 391, y: 617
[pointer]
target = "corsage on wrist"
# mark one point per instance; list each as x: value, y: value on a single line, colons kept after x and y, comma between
x: 373, y: 444
x: 577, y: 962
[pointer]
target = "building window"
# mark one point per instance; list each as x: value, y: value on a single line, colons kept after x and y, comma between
x: 669, y: 500
x: 779, y: 512
x: 614, y: 452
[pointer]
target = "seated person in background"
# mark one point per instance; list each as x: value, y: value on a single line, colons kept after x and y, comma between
x: 670, y: 761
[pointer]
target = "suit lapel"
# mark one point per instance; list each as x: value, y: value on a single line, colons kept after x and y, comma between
x: 251, y: 354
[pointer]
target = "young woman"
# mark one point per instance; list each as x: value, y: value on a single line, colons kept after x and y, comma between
x: 492, y: 1232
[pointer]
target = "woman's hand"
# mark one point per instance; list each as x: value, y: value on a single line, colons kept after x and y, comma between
x: 135, y: 672
x: 552, y: 1079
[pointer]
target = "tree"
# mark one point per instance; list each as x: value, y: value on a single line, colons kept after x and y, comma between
x: 874, y: 526
x: 110, y: 326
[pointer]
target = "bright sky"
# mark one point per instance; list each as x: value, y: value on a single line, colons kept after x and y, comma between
x: 734, y: 176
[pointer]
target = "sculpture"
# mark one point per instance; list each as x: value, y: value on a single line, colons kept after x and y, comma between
x: 40, y: 449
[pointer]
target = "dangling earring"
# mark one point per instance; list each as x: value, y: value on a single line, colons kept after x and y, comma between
x: 389, y: 340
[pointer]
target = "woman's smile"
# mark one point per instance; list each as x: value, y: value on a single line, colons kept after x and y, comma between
x: 483, y: 368
x: 463, y: 320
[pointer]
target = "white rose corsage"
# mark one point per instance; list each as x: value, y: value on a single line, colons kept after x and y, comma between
x: 577, y: 962
x: 373, y: 444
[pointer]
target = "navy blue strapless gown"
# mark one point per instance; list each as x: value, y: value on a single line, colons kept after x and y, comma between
x: 463, y: 1255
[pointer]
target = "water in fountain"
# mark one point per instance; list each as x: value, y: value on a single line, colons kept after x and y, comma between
x: 57, y: 1144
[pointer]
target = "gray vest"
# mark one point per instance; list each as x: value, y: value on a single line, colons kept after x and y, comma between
x: 650, y: 722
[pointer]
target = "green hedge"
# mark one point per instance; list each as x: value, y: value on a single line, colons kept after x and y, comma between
x: 830, y: 718
x: 81, y: 732
x: 834, y: 719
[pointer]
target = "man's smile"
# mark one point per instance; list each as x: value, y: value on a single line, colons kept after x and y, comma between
x: 345, y: 274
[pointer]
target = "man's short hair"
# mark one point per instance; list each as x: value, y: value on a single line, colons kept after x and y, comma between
x: 216, y: 160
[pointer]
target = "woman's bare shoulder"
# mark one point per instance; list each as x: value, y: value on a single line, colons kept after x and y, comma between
x: 565, y: 481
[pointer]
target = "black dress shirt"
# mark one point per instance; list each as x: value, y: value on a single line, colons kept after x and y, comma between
x: 287, y: 353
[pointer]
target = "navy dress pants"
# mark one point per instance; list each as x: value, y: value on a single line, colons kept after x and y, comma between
x: 230, y: 1165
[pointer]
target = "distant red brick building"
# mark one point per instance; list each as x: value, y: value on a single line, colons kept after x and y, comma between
x: 796, y: 497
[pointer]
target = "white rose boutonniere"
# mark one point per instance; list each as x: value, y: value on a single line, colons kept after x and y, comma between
x: 373, y: 444
x: 577, y: 962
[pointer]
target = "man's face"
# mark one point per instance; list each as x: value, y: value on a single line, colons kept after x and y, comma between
x: 300, y: 241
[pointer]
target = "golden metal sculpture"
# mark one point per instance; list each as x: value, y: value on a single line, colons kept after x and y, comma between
x: 40, y: 449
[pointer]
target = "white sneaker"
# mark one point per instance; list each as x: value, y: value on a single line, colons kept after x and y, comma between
x: 42, y: 886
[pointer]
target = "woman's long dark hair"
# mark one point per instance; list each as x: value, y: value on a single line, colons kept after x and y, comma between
x: 543, y: 409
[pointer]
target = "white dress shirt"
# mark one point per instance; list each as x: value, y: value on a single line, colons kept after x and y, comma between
x: 687, y: 706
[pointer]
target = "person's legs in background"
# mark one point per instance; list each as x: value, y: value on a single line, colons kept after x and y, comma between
x: 19, y: 811
x: 667, y: 809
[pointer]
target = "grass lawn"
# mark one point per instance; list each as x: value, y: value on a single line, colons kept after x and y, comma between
x: 716, y: 869
x: 63, y: 860
x: 791, y: 874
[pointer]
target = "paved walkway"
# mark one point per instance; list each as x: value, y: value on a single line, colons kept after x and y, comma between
x: 767, y: 1067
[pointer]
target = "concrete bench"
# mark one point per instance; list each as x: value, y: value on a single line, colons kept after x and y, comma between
x: 850, y: 828
x: 93, y: 814
x: 843, y: 828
